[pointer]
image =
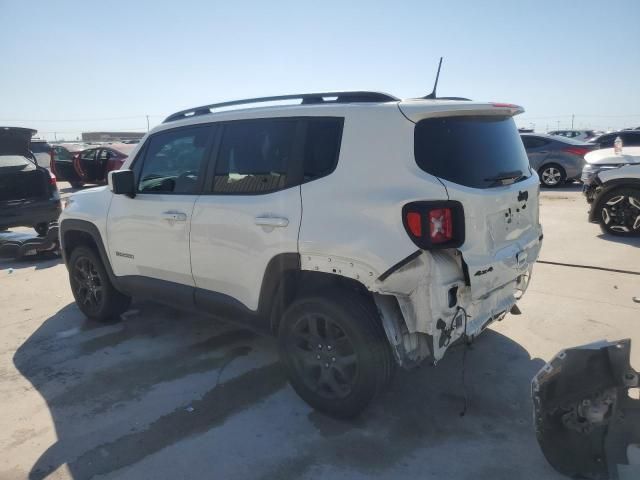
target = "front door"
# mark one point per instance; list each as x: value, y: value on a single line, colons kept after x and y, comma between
x: 149, y: 234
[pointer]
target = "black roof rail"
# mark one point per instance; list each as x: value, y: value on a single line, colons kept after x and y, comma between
x: 307, y: 98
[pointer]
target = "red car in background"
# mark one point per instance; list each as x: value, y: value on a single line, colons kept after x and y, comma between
x: 92, y: 164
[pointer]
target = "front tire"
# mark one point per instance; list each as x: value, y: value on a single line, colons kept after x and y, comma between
x: 618, y: 212
x: 552, y: 175
x: 335, y: 352
x: 94, y: 293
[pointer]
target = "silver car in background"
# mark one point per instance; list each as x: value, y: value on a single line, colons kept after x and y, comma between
x: 556, y: 159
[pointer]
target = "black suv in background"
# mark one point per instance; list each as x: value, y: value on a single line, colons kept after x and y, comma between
x: 28, y: 193
x: 630, y: 138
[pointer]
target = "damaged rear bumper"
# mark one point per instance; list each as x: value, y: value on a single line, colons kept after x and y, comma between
x: 587, y: 423
x: 430, y: 303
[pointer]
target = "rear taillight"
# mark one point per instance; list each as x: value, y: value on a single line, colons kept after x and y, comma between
x: 52, y: 179
x: 434, y: 224
x: 580, y: 151
x: 440, y: 225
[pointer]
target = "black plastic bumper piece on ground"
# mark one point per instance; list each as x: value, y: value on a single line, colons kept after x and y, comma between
x: 587, y: 424
x: 17, y: 245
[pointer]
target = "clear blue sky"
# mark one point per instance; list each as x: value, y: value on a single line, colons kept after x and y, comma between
x: 71, y: 66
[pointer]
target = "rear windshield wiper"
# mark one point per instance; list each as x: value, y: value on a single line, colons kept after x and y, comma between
x: 505, y: 178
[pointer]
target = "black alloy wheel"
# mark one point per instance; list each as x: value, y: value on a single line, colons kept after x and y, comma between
x: 323, y: 355
x: 619, y: 212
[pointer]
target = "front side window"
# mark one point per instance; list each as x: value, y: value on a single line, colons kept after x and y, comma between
x: 474, y: 151
x: 254, y: 156
x: 88, y: 155
x: 174, y: 160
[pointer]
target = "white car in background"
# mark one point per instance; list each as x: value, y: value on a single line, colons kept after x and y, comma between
x: 575, y: 134
x: 612, y: 186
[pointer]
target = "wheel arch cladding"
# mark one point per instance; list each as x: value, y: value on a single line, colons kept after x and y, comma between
x: 75, y: 232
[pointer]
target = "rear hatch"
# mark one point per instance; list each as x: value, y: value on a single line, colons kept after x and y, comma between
x: 21, y: 181
x: 479, y: 157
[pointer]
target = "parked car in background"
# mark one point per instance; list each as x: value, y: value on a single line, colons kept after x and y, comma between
x: 602, y: 160
x: 93, y: 164
x: 28, y: 193
x: 574, y: 134
x: 630, y: 138
x: 614, y: 192
x: 61, y: 163
x: 556, y: 159
x: 41, y: 151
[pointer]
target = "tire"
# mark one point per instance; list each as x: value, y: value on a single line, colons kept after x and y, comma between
x: 93, y: 291
x: 618, y: 212
x: 552, y: 175
x: 339, y: 365
x: 41, y: 228
x: 76, y: 184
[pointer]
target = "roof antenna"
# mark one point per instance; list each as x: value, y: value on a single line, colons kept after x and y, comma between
x: 432, y: 95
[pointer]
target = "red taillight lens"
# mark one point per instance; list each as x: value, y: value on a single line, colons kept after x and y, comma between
x: 434, y: 224
x: 440, y: 225
x: 414, y: 223
x: 580, y: 151
x: 52, y: 179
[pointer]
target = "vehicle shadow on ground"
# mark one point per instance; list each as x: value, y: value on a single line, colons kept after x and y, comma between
x: 117, y: 394
x: 633, y: 241
x: 41, y: 261
x: 569, y: 187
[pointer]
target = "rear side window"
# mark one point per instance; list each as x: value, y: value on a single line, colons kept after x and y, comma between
x: 40, y: 147
x: 470, y: 150
x: 630, y: 139
x: 322, y: 147
x: 173, y: 160
x: 62, y: 154
x: 255, y: 156
x: 534, y: 142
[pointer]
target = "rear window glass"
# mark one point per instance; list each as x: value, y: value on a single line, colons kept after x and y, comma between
x: 470, y: 150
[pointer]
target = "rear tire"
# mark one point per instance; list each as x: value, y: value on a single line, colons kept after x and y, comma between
x: 618, y: 212
x: 41, y: 229
x: 76, y: 185
x: 552, y: 175
x: 335, y: 351
x: 94, y: 293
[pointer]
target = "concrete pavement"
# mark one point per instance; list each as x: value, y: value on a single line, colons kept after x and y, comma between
x: 167, y: 395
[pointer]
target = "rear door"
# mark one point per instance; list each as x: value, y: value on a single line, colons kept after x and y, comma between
x: 483, y: 165
x: 149, y: 234
x: 251, y: 213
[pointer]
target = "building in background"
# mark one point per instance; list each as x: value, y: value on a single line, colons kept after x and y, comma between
x: 110, y: 136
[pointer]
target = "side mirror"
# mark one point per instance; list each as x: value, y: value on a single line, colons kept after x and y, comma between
x: 122, y: 182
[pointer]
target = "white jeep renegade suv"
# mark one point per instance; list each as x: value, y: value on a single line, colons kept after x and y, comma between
x: 363, y: 230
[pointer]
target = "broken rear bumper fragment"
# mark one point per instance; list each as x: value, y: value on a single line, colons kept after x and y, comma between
x: 586, y: 421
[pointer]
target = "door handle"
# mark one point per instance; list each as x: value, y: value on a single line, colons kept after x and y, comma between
x: 173, y: 216
x: 272, y: 221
